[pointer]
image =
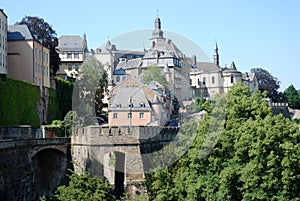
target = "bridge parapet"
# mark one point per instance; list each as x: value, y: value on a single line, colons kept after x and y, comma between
x: 10, y: 143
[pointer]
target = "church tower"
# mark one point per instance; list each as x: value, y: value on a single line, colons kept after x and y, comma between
x: 157, y: 32
x: 216, y: 55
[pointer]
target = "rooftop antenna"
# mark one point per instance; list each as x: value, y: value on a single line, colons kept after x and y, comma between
x: 157, y: 13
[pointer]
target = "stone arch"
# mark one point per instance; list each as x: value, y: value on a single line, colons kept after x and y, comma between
x: 50, y: 167
x: 115, y: 170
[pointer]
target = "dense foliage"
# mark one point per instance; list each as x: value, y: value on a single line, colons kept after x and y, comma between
x: 247, y: 155
x: 18, y: 101
x: 85, y: 187
x: 64, y: 91
x: 47, y: 35
x: 292, y: 97
x: 267, y: 82
x: 155, y: 73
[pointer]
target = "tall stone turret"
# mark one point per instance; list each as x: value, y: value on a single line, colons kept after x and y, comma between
x: 216, y: 55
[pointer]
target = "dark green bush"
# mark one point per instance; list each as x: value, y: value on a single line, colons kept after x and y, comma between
x: 18, y: 100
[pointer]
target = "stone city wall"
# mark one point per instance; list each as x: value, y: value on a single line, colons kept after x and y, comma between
x: 92, y: 145
x: 16, y: 132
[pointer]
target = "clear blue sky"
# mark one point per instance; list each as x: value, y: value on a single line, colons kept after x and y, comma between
x: 256, y: 33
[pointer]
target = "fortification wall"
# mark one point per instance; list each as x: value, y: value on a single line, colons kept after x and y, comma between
x: 16, y: 132
x: 90, y: 146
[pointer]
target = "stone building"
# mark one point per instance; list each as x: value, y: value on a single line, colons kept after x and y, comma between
x: 134, y: 104
x: 208, y: 79
x: 110, y: 56
x: 3, y: 42
x: 167, y: 56
x: 28, y: 59
x: 164, y: 54
x: 72, y: 51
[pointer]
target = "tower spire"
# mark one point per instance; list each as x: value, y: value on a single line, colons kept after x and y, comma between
x: 216, y: 55
x: 157, y: 32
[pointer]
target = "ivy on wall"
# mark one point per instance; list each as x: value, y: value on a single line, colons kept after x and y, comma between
x: 53, y: 111
x: 64, y: 91
x: 18, y: 100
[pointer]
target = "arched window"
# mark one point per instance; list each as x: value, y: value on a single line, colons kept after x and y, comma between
x: 213, y: 80
x: 204, y: 81
x: 231, y: 79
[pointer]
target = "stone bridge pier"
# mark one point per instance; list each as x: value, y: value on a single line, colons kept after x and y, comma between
x: 118, y: 153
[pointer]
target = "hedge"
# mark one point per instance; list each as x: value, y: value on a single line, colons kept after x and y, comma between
x: 18, y: 100
x: 64, y: 91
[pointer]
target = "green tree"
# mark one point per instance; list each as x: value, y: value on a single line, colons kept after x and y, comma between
x: 47, y: 35
x: 155, y: 73
x: 292, y: 96
x: 267, y: 82
x: 250, y: 155
x: 85, y: 187
x: 198, y: 104
x: 90, y: 88
x: 70, y: 121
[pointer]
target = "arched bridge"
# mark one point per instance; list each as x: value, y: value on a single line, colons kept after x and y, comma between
x: 30, y: 168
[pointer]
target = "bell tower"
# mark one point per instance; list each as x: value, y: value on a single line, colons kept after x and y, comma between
x: 157, y: 32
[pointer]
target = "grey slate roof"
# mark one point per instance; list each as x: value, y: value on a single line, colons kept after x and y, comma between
x: 19, y: 32
x: 129, y: 64
x: 207, y: 67
x: 167, y: 49
x: 232, y: 69
x: 126, y: 95
x: 71, y: 43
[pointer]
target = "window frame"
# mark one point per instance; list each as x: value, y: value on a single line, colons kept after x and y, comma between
x: 129, y: 115
x: 115, y: 115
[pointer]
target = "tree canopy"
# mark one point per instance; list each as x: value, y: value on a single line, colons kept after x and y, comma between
x: 267, y: 82
x: 47, y: 35
x: 89, y: 90
x: 155, y: 73
x: 250, y: 155
x: 85, y: 187
x: 292, y: 97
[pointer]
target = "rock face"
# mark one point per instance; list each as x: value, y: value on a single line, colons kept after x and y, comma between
x: 16, y: 175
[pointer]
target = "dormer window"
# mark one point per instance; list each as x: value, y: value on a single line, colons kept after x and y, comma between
x: 130, y: 105
x: 69, y: 55
x: 118, y: 104
x: 143, y: 104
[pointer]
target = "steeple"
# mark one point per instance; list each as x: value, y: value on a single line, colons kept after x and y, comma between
x: 157, y: 23
x: 157, y: 32
x: 216, y: 55
x: 232, y: 66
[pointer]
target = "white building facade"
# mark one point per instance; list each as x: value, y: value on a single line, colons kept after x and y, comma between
x: 3, y: 42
